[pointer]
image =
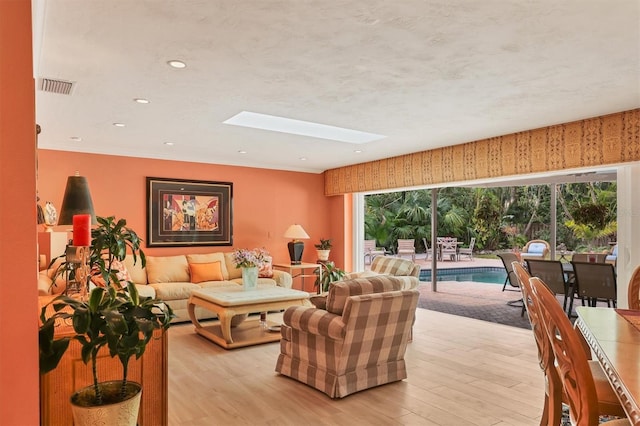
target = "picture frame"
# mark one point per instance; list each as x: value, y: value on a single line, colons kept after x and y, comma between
x: 183, y: 212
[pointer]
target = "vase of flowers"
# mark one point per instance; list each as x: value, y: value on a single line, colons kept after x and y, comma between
x: 250, y: 261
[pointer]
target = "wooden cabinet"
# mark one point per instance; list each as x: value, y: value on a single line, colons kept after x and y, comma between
x: 72, y: 374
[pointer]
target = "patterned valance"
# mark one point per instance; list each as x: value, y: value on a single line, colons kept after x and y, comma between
x: 598, y: 141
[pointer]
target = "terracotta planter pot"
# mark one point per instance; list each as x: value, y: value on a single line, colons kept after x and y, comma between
x: 113, y: 412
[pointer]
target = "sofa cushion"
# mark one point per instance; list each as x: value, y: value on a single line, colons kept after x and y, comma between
x: 137, y: 273
x: 201, y: 272
x: 169, y: 291
x: 208, y: 258
x: 231, y: 266
x: 166, y: 269
x: 536, y: 248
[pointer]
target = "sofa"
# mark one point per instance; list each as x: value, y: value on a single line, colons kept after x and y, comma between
x: 403, y: 269
x: 357, y: 342
x: 173, y: 278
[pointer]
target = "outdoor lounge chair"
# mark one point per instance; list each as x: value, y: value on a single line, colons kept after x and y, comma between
x: 589, y: 257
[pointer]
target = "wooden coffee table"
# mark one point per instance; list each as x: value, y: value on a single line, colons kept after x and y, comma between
x: 228, y: 302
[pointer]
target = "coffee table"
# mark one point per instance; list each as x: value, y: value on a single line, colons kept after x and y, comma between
x: 227, y: 302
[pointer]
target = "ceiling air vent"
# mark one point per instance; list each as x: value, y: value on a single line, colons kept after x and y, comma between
x: 55, y: 86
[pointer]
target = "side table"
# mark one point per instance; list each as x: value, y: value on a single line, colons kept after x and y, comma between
x: 301, y: 271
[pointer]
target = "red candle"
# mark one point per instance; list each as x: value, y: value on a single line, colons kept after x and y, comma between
x: 82, y: 230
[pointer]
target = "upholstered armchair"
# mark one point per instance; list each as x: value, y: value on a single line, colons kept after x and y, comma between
x: 406, y: 270
x: 356, y: 343
x: 536, y: 249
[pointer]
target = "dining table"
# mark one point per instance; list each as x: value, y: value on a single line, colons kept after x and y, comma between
x: 614, y: 337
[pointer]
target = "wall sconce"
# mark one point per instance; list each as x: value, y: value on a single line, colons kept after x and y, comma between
x: 296, y: 247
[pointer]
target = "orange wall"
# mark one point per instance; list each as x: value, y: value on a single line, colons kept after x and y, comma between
x: 265, y: 202
x: 18, y: 295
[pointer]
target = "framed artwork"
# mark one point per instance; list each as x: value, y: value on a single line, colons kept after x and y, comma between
x: 188, y: 213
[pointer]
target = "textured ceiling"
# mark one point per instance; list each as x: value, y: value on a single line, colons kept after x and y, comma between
x: 424, y: 73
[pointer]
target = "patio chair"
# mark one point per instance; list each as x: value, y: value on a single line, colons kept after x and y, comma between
x: 512, y: 278
x: 552, y: 273
x: 595, y: 281
x: 371, y: 251
x: 535, y: 249
x: 589, y: 257
x: 467, y: 251
x: 507, y: 259
x: 585, y: 387
x: 426, y: 248
x: 633, y: 293
x: 612, y: 257
x: 407, y: 247
x: 449, y: 249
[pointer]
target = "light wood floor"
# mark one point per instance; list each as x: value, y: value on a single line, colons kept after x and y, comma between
x: 461, y: 372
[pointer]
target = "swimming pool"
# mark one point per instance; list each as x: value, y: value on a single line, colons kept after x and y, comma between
x: 484, y: 274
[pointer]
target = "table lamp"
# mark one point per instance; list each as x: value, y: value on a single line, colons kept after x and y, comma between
x: 76, y: 200
x: 296, y: 247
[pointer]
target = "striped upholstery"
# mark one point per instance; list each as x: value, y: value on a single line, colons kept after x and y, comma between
x: 363, y: 346
x: 408, y: 271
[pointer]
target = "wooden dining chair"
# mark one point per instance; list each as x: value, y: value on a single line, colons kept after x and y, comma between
x: 633, y: 293
x: 586, y: 389
x: 552, y: 410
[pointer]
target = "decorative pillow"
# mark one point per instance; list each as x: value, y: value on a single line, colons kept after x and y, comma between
x: 211, y: 257
x: 201, y: 272
x: 122, y: 274
x: 266, y: 270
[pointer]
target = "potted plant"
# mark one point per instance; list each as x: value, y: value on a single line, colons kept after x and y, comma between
x: 330, y: 273
x: 114, y: 316
x: 323, y: 249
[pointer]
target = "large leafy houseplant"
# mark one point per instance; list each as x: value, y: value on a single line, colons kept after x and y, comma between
x: 115, y: 315
x: 330, y: 273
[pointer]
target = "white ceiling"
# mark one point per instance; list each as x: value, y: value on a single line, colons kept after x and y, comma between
x: 424, y: 73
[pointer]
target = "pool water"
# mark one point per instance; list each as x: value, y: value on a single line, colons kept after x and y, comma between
x: 489, y: 275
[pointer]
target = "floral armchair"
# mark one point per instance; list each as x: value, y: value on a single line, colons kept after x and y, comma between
x: 358, y: 342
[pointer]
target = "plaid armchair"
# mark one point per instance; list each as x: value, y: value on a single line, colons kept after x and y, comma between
x: 404, y: 269
x: 358, y: 342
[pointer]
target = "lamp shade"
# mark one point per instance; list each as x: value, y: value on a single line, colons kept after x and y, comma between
x: 296, y: 232
x: 76, y: 200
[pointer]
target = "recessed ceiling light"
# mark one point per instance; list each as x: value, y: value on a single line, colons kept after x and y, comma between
x: 242, y: 152
x: 303, y: 158
x: 76, y: 138
x: 358, y: 151
x: 298, y: 127
x: 168, y: 143
x: 118, y: 124
x: 176, y: 64
x: 141, y: 100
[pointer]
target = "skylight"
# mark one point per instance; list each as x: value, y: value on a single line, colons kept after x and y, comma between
x: 298, y: 127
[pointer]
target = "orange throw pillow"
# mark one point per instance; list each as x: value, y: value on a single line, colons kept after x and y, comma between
x: 201, y: 272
